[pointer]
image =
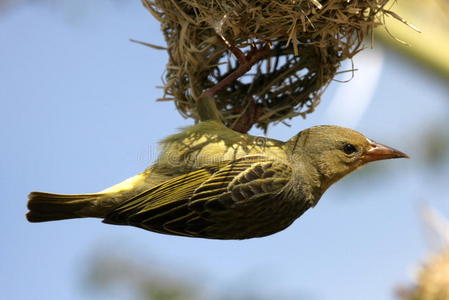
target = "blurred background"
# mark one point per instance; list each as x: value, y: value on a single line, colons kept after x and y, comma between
x: 78, y: 114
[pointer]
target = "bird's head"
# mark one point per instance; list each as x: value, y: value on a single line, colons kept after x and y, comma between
x: 336, y: 151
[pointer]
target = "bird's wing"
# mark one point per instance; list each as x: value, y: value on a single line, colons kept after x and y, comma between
x: 188, y: 204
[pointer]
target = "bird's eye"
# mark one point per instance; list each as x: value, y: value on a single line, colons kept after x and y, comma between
x: 349, y: 149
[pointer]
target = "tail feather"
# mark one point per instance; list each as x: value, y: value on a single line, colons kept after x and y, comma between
x: 50, y: 207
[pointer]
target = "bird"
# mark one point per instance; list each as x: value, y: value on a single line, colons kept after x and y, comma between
x: 210, y: 181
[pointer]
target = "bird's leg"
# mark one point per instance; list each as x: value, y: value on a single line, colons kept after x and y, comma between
x: 249, y: 114
x: 207, y: 109
x: 245, y: 63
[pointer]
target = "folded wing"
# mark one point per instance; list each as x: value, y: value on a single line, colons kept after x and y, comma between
x: 213, y: 202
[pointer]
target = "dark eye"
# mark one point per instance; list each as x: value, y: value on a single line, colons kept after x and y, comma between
x: 349, y: 149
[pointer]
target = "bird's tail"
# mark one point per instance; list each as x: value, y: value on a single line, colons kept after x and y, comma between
x: 50, y: 207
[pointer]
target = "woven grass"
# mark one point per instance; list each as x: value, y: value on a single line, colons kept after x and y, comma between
x: 307, y: 39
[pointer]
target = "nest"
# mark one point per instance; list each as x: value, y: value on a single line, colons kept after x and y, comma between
x: 293, y: 49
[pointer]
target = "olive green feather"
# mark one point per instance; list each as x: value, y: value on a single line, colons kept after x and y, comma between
x: 210, y: 199
x: 212, y: 182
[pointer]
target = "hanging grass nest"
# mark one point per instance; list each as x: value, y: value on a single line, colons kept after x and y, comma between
x: 292, y: 50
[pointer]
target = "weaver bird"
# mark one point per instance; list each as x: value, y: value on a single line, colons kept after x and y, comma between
x: 212, y: 182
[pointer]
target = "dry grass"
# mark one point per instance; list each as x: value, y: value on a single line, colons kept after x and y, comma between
x: 308, y: 41
x: 433, y: 280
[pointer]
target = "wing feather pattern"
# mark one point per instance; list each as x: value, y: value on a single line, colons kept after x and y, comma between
x: 210, y: 202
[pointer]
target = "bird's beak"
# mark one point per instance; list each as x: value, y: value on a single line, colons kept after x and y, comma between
x: 380, y: 152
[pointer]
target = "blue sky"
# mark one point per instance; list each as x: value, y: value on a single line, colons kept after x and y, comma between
x: 79, y: 114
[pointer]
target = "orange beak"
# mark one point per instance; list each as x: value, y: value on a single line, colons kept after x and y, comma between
x: 380, y: 152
